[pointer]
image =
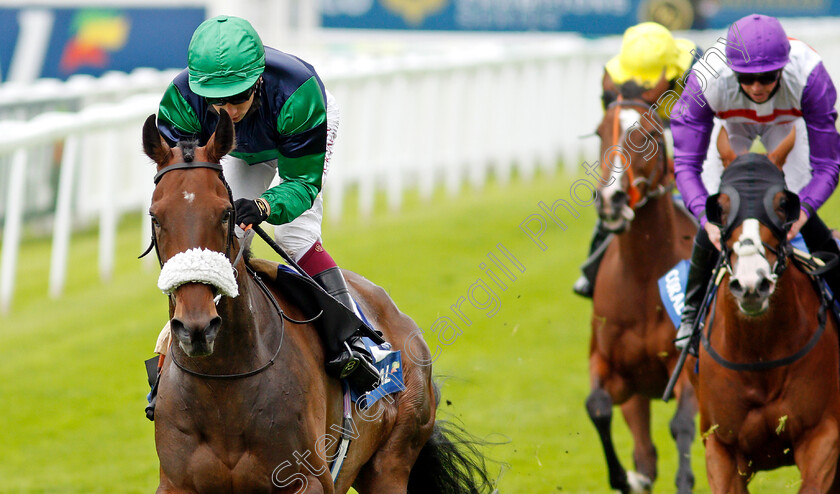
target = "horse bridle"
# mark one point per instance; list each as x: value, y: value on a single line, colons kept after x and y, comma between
x: 636, y: 200
x: 784, y: 250
x: 190, y: 165
x: 230, y: 235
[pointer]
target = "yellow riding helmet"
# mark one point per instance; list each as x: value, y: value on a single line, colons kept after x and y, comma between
x: 684, y: 56
x: 646, y: 50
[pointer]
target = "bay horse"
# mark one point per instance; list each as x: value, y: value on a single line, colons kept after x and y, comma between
x: 632, y: 351
x: 767, y: 381
x: 244, y: 403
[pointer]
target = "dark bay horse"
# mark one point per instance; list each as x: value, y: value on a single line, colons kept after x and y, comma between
x: 767, y: 384
x: 275, y: 422
x: 632, y: 349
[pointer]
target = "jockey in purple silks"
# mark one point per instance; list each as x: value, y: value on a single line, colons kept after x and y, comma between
x: 768, y: 85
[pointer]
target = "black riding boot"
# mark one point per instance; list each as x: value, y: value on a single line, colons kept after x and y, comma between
x: 818, y: 238
x: 153, y: 374
x: 353, y: 362
x: 704, y: 255
x: 585, y: 284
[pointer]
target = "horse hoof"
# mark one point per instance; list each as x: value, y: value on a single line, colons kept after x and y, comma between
x: 639, y: 484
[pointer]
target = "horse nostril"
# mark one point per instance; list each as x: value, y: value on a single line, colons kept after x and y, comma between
x: 212, y: 328
x: 736, y: 288
x: 187, y: 332
x: 619, y: 198
x: 764, y: 287
x: 177, y: 327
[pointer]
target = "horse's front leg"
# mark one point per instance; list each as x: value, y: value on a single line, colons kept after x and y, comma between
x: 636, y: 412
x: 683, y: 430
x: 816, y: 456
x: 599, y: 405
x: 722, y: 469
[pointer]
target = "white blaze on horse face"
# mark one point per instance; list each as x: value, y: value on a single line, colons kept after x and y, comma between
x: 189, y: 196
x: 627, y: 118
x: 751, y: 267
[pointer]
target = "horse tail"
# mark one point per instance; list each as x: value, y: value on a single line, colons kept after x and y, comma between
x: 450, y: 462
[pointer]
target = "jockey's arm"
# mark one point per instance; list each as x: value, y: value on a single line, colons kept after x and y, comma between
x: 818, y: 100
x: 302, y: 125
x: 692, y: 121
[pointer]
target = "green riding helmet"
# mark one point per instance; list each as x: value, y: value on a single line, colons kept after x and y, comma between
x: 226, y: 57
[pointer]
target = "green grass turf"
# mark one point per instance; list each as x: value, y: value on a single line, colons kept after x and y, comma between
x: 72, y: 383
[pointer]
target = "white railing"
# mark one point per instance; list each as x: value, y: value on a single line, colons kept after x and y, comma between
x: 101, y: 169
x: 405, y: 123
x: 22, y: 101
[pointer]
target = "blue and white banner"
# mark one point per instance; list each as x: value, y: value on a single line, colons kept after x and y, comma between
x: 672, y: 290
x: 58, y: 42
x: 595, y: 17
x: 589, y: 17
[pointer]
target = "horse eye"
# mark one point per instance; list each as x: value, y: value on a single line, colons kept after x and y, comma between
x: 155, y: 222
x: 226, y: 216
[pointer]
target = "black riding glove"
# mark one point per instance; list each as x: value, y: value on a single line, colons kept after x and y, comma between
x: 251, y: 212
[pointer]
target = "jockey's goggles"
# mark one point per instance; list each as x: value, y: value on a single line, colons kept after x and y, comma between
x: 236, y: 99
x: 764, y: 78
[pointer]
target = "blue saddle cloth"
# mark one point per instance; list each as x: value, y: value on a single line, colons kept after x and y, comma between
x: 389, y: 364
x: 672, y: 286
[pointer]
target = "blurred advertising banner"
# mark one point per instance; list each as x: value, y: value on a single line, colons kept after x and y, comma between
x: 59, y: 42
x: 588, y: 17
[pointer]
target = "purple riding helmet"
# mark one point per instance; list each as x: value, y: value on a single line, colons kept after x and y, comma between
x: 764, y: 41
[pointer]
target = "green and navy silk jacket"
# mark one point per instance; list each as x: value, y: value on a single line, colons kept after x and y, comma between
x: 287, y: 122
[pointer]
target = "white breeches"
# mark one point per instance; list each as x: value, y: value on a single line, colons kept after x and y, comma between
x: 797, y: 168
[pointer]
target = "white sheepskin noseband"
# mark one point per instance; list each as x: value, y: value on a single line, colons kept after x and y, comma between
x: 201, y: 266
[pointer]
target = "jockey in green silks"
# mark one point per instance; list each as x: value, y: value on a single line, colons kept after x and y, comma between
x: 285, y: 122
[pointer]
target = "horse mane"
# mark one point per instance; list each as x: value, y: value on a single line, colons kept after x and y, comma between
x: 187, y: 148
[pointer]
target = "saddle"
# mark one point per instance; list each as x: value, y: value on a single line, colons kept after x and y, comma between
x: 335, y: 322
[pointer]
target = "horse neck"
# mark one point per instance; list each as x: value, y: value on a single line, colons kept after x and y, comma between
x: 650, y: 239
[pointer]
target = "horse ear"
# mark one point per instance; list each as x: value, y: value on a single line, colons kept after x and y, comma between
x: 223, y: 139
x: 717, y: 209
x: 153, y: 144
x: 727, y: 154
x: 779, y: 155
x: 786, y: 205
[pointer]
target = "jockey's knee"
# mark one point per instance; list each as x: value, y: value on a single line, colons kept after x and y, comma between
x: 162, y: 345
x: 296, y: 240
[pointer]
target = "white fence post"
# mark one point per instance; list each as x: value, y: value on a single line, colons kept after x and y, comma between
x: 63, y: 216
x: 12, y: 229
x: 108, y: 211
